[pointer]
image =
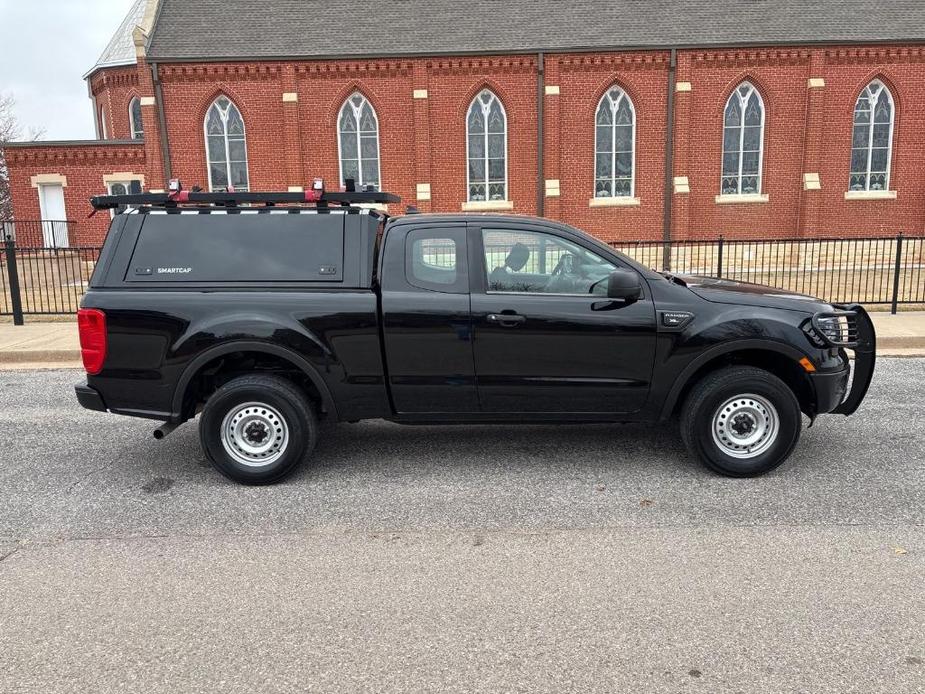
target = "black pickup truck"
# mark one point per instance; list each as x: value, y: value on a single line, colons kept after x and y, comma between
x: 272, y: 313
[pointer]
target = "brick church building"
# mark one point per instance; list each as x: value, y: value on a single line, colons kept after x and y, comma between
x: 631, y: 120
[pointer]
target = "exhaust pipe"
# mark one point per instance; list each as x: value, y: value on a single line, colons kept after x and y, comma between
x: 164, y: 429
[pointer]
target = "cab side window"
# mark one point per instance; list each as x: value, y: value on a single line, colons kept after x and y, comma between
x: 533, y: 262
x: 436, y: 260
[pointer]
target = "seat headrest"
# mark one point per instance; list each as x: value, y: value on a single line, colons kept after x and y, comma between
x: 518, y: 257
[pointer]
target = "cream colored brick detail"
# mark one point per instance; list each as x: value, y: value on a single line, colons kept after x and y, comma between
x: 157, y: 190
x: 140, y: 41
x: 811, y: 181
x: 296, y: 189
x: 423, y: 191
x: 744, y: 199
x: 683, y: 86
x: 49, y: 179
x: 122, y: 177
x: 290, y: 97
x: 419, y: 94
x: 551, y: 90
x: 552, y: 187
x: 378, y: 207
x: 681, y: 185
x: 147, y: 101
x: 614, y: 202
x: 815, y: 82
x: 487, y: 205
x: 870, y: 195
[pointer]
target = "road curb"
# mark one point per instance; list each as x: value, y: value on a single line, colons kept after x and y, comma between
x: 40, y: 356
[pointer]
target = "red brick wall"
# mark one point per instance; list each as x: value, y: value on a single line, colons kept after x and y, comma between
x: 423, y: 140
x: 84, y: 168
x: 582, y: 80
x: 114, y: 88
x: 806, y: 131
x: 847, y: 71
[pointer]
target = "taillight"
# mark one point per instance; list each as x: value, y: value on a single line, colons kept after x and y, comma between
x: 91, y: 324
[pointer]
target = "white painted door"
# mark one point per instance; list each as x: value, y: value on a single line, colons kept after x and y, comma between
x: 54, y: 216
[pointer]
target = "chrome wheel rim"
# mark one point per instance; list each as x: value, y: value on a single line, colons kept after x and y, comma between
x: 745, y: 426
x: 255, y: 434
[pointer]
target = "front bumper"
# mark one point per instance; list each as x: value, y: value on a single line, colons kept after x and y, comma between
x: 865, y: 358
x: 89, y: 398
x: 830, y: 389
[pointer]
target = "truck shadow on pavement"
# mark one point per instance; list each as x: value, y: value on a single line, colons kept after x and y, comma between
x: 383, y: 448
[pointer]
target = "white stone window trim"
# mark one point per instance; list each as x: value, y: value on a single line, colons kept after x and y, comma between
x: 487, y: 205
x: 356, y: 111
x: 870, y: 195
x: 742, y: 103
x: 614, y: 106
x: 881, y: 88
x: 481, y: 204
x: 619, y: 201
x: 742, y: 198
x: 124, y: 179
x: 223, y: 114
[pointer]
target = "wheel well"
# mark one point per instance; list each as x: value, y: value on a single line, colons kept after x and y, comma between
x: 785, y: 368
x: 217, y: 372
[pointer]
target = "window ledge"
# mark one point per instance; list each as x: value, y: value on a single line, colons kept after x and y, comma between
x: 621, y: 201
x: 870, y: 195
x: 743, y: 199
x: 379, y: 207
x: 487, y: 205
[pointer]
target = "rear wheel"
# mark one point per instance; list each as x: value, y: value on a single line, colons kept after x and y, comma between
x: 256, y: 429
x: 741, y: 421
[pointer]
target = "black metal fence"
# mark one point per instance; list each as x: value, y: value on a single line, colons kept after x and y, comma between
x: 47, y: 233
x: 43, y: 281
x: 51, y: 280
x: 865, y: 270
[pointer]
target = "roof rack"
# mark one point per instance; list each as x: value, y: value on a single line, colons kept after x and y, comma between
x: 178, y: 196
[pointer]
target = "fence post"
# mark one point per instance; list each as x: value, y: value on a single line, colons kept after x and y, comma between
x: 719, y: 258
x: 666, y: 255
x: 899, y: 256
x: 13, y: 274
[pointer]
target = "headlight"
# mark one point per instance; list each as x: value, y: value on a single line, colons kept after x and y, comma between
x: 838, y: 328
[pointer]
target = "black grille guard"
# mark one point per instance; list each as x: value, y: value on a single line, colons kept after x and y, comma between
x: 865, y: 357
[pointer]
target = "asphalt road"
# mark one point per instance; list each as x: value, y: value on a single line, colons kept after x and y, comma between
x: 442, y: 559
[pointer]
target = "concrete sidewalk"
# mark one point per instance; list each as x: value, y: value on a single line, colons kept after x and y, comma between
x: 55, y: 345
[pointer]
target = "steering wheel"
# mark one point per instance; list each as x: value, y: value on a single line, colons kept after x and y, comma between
x: 564, y: 273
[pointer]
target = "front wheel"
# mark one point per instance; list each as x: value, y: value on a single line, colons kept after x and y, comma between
x: 255, y: 429
x: 741, y: 421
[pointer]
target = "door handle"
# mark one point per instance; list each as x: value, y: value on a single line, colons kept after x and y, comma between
x: 507, y: 320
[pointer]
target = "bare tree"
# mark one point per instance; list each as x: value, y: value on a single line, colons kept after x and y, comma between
x: 10, y: 130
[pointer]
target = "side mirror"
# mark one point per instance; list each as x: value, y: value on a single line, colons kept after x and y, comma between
x: 624, y: 284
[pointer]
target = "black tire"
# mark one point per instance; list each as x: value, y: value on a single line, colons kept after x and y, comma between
x: 730, y: 389
x: 267, y: 411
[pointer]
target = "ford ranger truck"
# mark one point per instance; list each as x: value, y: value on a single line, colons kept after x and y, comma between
x: 268, y: 314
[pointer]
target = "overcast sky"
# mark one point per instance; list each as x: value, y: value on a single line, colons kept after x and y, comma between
x: 46, y: 46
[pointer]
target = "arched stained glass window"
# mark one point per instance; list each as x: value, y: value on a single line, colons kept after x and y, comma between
x: 226, y: 146
x: 134, y: 119
x: 743, y: 142
x: 872, y: 141
x: 358, y: 142
x: 486, y: 148
x: 615, y: 143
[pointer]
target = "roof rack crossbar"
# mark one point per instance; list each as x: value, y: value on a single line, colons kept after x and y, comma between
x: 109, y: 202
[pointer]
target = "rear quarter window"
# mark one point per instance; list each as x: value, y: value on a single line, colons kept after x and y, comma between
x: 239, y: 248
